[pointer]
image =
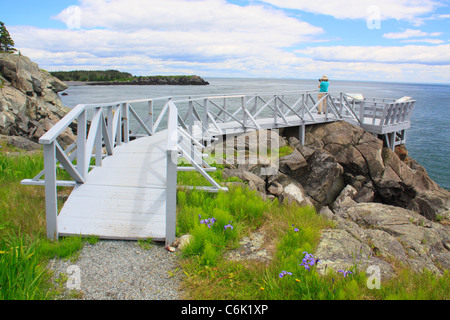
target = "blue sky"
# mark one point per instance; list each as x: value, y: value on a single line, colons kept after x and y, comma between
x: 383, y: 40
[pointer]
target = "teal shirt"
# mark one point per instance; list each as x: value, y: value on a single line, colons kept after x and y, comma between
x: 324, y: 86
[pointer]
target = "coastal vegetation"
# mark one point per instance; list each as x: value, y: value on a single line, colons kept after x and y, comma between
x: 92, y: 75
x: 111, y: 77
x: 218, y: 222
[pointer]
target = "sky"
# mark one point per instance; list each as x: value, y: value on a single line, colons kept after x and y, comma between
x: 365, y: 40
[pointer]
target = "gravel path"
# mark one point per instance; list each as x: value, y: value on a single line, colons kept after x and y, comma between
x: 121, y: 270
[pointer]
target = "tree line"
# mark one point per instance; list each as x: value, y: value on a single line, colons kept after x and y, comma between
x: 92, y: 75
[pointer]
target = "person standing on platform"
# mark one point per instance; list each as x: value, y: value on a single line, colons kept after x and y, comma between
x: 323, y: 90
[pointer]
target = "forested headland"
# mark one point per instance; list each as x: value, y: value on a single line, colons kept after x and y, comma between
x: 92, y: 75
x: 115, y: 77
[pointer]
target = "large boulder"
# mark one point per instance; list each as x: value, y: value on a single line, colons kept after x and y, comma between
x: 323, y: 180
x: 377, y: 173
x: 29, y: 101
x: 383, y: 235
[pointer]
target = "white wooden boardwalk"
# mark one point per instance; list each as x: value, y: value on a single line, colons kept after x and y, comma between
x: 130, y: 193
x: 125, y: 198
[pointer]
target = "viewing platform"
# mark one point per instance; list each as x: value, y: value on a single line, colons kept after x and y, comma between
x: 124, y: 162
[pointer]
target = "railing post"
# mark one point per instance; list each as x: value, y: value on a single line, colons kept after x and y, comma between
x: 191, y: 125
x: 51, y: 204
x: 225, y: 106
x: 205, y: 126
x: 171, y: 174
x: 81, y: 145
x: 244, y: 114
x: 126, y: 123
x: 362, y: 106
x: 301, y: 133
x: 303, y: 106
x: 171, y: 195
x: 150, y: 113
x: 275, y: 113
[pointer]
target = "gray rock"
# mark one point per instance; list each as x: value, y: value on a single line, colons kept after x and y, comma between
x: 294, y: 192
x: 276, y: 188
x: 293, y: 162
x: 29, y: 103
x: 327, y: 213
x: 253, y: 247
x: 432, y: 204
x: 21, y: 143
x: 254, y: 182
x: 183, y: 241
x: 345, y: 199
x: 324, y: 180
x: 339, y: 250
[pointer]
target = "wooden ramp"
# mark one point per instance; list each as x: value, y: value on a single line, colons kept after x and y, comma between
x: 125, y: 198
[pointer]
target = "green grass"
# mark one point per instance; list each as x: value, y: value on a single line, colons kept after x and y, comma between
x: 292, y: 230
x: 24, y: 248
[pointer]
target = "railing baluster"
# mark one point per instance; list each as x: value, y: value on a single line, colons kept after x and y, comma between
x: 150, y: 113
x: 51, y: 203
x: 81, y: 144
x: 126, y: 123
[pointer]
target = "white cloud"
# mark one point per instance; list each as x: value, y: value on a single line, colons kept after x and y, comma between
x: 216, y: 38
x: 427, y: 55
x: 410, y: 33
x: 178, y: 34
x: 212, y: 29
x: 358, y: 9
x: 192, y: 15
x: 430, y: 41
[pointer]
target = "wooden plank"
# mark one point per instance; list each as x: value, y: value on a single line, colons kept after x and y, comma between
x: 110, y: 209
x: 117, y: 192
x: 113, y: 229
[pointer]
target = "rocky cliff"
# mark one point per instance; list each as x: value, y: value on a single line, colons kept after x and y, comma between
x: 383, y: 203
x: 29, y: 101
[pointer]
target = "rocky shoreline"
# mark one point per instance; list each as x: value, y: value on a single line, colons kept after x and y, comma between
x: 385, y: 209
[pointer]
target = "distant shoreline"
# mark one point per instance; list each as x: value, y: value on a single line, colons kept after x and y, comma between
x: 137, y: 83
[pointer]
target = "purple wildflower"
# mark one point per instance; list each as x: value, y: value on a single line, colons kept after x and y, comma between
x: 344, y: 273
x: 309, y: 261
x: 283, y: 273
x: 209, y: 222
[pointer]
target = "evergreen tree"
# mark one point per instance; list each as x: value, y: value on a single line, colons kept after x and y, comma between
x: 6, y: 43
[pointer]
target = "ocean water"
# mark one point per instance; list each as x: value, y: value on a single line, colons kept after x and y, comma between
x: 427, y: 141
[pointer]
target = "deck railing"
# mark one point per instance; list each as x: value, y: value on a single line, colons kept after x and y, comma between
x: 192, y: 123
x: 107, y: 127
